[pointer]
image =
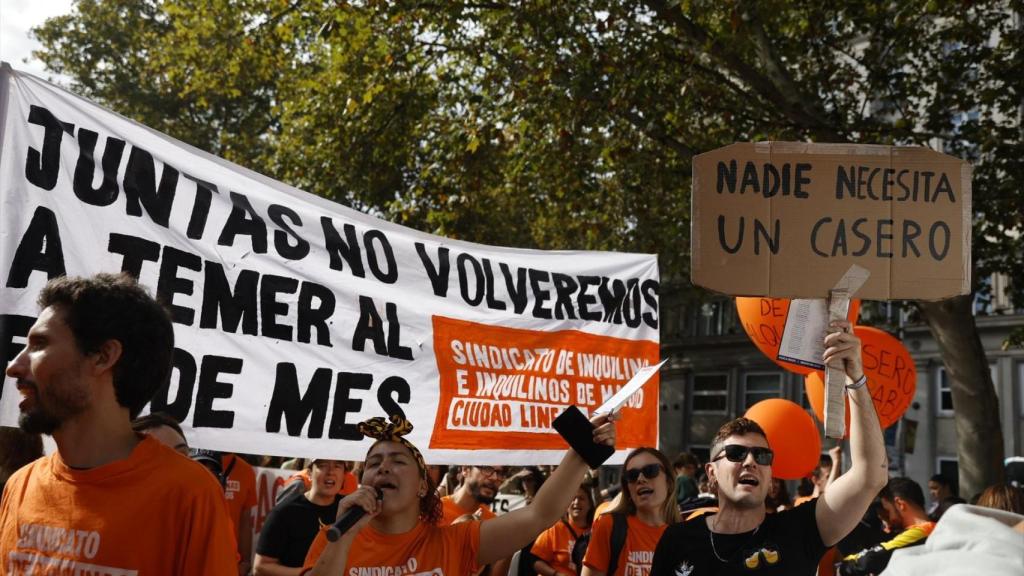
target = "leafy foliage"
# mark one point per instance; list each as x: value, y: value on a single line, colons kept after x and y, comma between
x: 558, y: 124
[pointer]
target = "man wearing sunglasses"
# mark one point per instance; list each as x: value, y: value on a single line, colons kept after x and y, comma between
x: 741, y: 538
x: 474, y: 496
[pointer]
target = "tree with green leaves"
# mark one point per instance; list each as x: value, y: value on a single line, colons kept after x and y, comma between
x: 572, y: 124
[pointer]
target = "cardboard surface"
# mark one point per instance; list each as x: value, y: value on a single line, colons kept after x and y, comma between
x: 787, y: 219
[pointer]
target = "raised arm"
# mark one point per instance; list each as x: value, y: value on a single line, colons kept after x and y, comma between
x: 848, y: 497
x: 502, y: 536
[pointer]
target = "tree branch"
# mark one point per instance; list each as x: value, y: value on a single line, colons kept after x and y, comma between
x: 702, y: 41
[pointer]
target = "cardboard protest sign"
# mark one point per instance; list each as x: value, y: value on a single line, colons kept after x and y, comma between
x: 787, y: 219
x: 296, y: 318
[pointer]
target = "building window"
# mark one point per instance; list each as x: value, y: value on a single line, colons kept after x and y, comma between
x: 759, y: 386
x: 710, y: 393
x: 1020, y: 382
x: 945, y: 396
x: 950, y: 469
x: 702, y: 452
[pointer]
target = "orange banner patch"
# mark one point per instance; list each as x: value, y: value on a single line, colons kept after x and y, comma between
x: 500, y: 388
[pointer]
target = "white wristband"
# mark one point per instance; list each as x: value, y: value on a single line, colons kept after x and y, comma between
x: 859, y: 383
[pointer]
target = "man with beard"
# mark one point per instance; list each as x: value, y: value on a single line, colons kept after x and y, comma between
x: 902, y: 509
x: 99, y: 350
x: 474, y: 496
x: 741, y: 537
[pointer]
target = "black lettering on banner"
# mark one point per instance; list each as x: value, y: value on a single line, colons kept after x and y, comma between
x: 170, y: 283
x: 801, y: 179
x: 839, y: 242
x: 391, y: 386
x: 344, y: 405
x: 297, y: 408
x: 749, y: 179
x: 438, y: 274
x: 631, y: 310
x: 338, y: 249
x: 911, y: 230
x: 311, y: 316
x: 478, y: 279
x: 140, y: 188
x: 286, y: 249
x: 584, y: 301
x: 932, y: 245
x: 650, y: 291
x: 814, y: 236
x: 516, y: 288
x: 232, y: 306
x: 43, y: 168
x: 373, y: 238
x: 85, y: 169
x: 200, y: 207
x: 726, y: 177
x: 210, y: 389
x: 539, y: 295
x: 12, y: 326
x: 492, y: 302
x: 864, y: 238
x: 612, y: 299
x: 270, y: 308
x: 185, y: 365
x: 244, y: 220
x: 371, y: 327
x: 886, y: 225
x: 40, y: 249
x: 565, y: 288
x: 721, y: 235
x: 395, y: 349
x: 134, y: 250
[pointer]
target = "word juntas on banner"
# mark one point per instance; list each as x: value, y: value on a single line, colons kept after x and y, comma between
x: 786, y: 219
x: 296, y: 317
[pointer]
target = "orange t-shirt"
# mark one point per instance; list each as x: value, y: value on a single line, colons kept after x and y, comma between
x: 637, y: 552
x: 554, y: 546
x: 240, y: 490
x: 602, y: 508
x: 154, y: 512
x: 450, y: 511
x: 435, y: 550
x: 349, y: 482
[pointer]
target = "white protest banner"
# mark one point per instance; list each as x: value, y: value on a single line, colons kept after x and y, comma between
x: 296, y: 317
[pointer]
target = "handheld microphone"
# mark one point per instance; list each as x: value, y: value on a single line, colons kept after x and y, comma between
x: 348, y: 519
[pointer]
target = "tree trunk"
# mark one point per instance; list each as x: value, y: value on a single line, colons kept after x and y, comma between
x: 975, y: 405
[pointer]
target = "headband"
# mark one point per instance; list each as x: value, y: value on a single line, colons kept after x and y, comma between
x: 393, y: 431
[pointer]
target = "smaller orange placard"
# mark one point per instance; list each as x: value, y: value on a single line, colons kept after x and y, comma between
x: 500, y: 388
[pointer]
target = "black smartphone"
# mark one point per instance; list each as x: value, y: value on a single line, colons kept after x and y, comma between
x: 579, y: 433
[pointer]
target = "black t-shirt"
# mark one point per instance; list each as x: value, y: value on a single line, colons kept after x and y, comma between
x: 786, y: 542
x: 291, y: 527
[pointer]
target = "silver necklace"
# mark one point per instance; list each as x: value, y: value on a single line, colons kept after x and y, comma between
x: 711, y: 538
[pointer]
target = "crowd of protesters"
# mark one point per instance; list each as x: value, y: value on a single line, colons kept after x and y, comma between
x: 118, y: 497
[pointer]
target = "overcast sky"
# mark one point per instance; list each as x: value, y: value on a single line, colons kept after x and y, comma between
x: 16, y: 18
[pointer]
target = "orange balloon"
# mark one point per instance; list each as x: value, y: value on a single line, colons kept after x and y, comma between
x: 892, y: 377
x: 792, y: 435
x: 764, y: 319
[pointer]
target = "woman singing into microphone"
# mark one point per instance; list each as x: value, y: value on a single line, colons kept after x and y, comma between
x: 399, y: 534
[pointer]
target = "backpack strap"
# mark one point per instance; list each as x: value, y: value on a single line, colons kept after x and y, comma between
x: 618, y: 541
x: 231, y: 466
x: 571, y: 531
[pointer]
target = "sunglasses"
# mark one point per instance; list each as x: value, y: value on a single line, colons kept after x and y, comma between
x: 738, y: 453
x: 650, y: 472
